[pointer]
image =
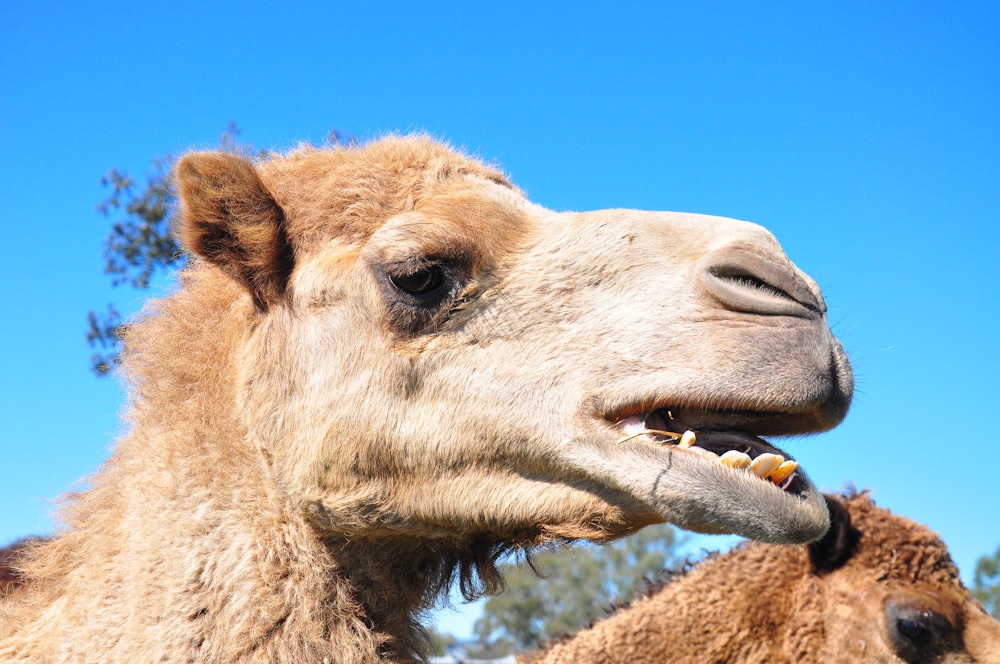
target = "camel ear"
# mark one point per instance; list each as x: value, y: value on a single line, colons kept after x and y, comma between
x: 831, y: 551
x: 228, y: 217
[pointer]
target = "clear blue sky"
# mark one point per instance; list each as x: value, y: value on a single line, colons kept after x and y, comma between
x: 865, y: 135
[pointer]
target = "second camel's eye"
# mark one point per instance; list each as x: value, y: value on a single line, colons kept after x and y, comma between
x: 422, y: 283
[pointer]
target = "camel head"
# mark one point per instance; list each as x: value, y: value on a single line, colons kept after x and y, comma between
x: 893, y: 593
x: 431, y: 354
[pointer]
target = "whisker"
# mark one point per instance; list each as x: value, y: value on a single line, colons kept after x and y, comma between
x: 671, y: 434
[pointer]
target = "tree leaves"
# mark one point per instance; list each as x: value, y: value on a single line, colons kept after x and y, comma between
x: 986, y: 585
x: 140, y: 243
x: 574, y: 586
x: 138, y: 246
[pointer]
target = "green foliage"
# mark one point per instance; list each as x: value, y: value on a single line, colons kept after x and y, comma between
x: 986, y: 585
x: 140, y: 243
x: 138, y: 246
x: 104, y: 333
x: 438, y: 641
x: 573, y: 587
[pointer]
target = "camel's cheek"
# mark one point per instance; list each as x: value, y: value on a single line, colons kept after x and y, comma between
x: 317, y: 382
x: 982, y: 633
x: 346, y: 415
x: 855, y: 622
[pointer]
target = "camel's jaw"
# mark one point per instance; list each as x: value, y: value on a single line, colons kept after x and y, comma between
x: 702, y: 473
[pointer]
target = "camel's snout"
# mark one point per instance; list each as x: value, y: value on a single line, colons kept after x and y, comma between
x: 751, y: 280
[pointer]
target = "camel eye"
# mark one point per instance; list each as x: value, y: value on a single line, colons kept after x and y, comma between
x: 914, y: 631
x: 917, y: 632
x: 424, y: 283
x: 417, y: 292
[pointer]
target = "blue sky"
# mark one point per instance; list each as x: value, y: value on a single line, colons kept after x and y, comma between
x: 866, y: 136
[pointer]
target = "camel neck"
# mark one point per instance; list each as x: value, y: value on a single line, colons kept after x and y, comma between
x: 214, y: 576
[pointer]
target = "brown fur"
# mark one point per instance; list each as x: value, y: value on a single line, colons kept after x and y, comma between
x: 837, y: 600
x: 312, y: 452
x: 10, y: 557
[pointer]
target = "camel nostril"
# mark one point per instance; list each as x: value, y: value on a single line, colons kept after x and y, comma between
x: 745, y: 281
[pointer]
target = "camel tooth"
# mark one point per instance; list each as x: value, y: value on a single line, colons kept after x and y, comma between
x: 766, y: 464
x: 783, y: 471
x: 735, y: 459
x: 687, y: 440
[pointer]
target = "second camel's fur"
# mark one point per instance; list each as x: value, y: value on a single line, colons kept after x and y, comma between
x: 877, y: 589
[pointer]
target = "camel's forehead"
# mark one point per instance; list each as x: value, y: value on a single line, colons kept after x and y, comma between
x: 466, y: 216
x: 409, y: 158
x: 351, y: 192
x: 918, y: 552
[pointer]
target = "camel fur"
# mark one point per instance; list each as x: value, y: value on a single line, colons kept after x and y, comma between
x: 383, y: 368
x: 10, y: 576
x: 877, y: 589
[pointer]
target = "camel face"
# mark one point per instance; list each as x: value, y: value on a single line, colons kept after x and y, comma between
x: 898, y: 597
x: 457, y: 360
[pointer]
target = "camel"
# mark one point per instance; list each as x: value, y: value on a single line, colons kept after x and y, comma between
x: 382, y: 369
x: 9, y: 576
x: 877, y: 588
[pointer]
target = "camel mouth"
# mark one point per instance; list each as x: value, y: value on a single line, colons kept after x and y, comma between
x: 712, y: 438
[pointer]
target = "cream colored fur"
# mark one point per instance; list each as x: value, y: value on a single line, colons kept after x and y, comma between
x: 311, y: 452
